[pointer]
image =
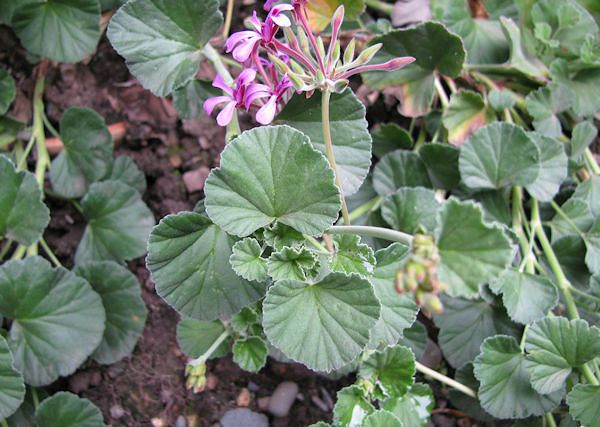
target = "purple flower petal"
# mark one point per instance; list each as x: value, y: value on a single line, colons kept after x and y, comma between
x: 236, y: 38
x: 254, y: 92
x: 244, y: 49
x: 246, y: 77
x: 211, y: 103
x: 226, y: 114
x: 266, y: 114
x: 218, y: 82
x: 281, y: 20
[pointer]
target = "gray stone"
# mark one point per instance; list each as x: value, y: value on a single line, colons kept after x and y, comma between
x: 283, y: 398
x: 244, y: 417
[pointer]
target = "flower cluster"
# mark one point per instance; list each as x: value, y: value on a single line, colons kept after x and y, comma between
x: 276, y: 67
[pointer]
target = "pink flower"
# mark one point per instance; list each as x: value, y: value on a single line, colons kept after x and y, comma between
x: 266, y: 113
x: 233, y: 98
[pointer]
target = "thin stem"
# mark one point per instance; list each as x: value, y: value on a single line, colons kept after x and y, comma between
x: 441, y: 93
x: 295, y: 54
x: 380, y: 6
x: 446, y: 380
x: 589, y: 375
x: 43, y: 158
x: 524, y: 243
x: 583, y: 294
x: 366, y: 208
x: 329, y: 149
x: 36, y: 399
x: 228, y: 16
x: 378, y: 232
x: 5, y: 248
x: 550, y: 419
x: 211, y: 349
x: 4, y: 423
x: 316, y: 244
x: 592, y: 161
x: 19, y: 253
x: 49, y: 126
x: 566, y: 218
x: 23, y: 160
x: 50, y: 253
x: 304, y: 22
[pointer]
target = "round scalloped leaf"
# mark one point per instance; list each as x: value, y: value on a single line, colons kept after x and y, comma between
x: 291, y: 264
x: 8, y: 91
x: 583, y: 403
x: 250, y: 353
x: 472, y: 251
x: 349, y: 133
x: 125, y: 310
x: 324, y: 325
x: 351, y: 256
x: 582, y: 209
x: 499, y: 155
x: 398, y: 312
x: 500, y: 99
x: 12, y: 388
x: 195, y: 337
x: 464, y: 326
x: 556, y: 346
x: 87, y: 153
x: 585, y: 84
x: 527, y: 297
x: 390, y: 137
x: 584, y: 134
x: 399, y: 169
x: 409, y: 209
x: 125, y: 170
x: 61, y: 30
x: 23, y: 214
x: 441, y: 161
x: 414, y: 407
x: 67, y: 410
x: 505, y: 390
x: 544, y: 105
x: 188, y: 257
x: 351, y: 406
x: 381, y: 418
x: 466, y: 113
x: 553, y: 168
x: 162, y: 40
x: 272, y: 174
x: 119, y: 223
x: 246, y: 261
x: 58, y: 319
x: 392, y: 370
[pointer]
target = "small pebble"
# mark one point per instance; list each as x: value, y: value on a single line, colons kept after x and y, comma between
x: 194, y: 180
x: 253, y: 387
x: 283, y: 398
x: 244, y: 417
x: 193, y: 420
x: 117, y: 411
x: 243, y: 398
x: 211, y: 382
x: 180, y: 422
x: 158, y: 422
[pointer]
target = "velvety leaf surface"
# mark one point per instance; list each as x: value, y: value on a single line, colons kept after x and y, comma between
x: 584, y: 83
x: 584, y: 134
x: 414, y: 407
x: 351, y: 256
x: 351, y: 406
x: 408, y: 209
x: 12, y: 388
x: 324, y: 325
x: 8, y: 91
x: 23, y: 214
x: 189, y: 99
x: 58, y: 320
x: 125, y: 310
x: 272, y: 174
x: 246, y: 261
x: 553, y: 168
x: 162, y: 41
x: 280, y: 236
x: 441, y: 161
x: 398, y: 169
x: 390, y: 137
x: 500, y: 99
x: 582, y: 209
x: 124, y: 169
x: 291, y: 264
x: 67, y: 410
x: 188, y: 258
x: 250, y: 353
x: 61, y: 30
x: 392, y: 370
x: 119, y: 223
x: 544, y: 104
x: 381, y: 418
x: 466, y: 113
x: 87, y: 153
x: 583, y: 403
x: 519, y: 58
x: 196, y: 336
x: 349, y: 133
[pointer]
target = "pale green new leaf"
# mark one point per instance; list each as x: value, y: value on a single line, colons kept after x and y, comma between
x: 23, y: 214
x: 414, y: 407
x: 8, y: 91
x: 58, y: 320
x: 466, y: 113
x: 195, y: 337
x: 272, y: 174
x: 351, y: 406
x: 472, y: 251
x: 556, y: 346
x: 324, y: 325
x: 399, y: 169
x: 392, y: 370
x: 553, y: 168
x: 544, y: 105
x: 246, y: 261
x: 12, y: 388
x: 583, y: 404
x: 87, y: 153
x: 351, y: 256
x: 505, y: 390
x: 119, y: 223
x: 381, y: 418
x: 250, y: 353
x: 291, y: 264
x: 67, y: 410
x: 162, y: 40
x: 280, y: 236
x: 409, y: 209
x: 188, y: 258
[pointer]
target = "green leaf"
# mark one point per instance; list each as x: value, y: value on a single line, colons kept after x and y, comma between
x: 246, y: 261
x: 272, y: 174
x: 583, y: 403
x: 9, y: 129
x: 441, y: 161
x: 398, y: 169
x: 250, y: 353
x: 247, y: 317
x: 499, y: 155
x: 436, y: 51
x: 280, y: 236
x: 351, y: 256
x: 556, y: 346
x: 61, y: 30
x: 592, y: 244
x: 584, y: 83
x: 8, y: 91
x: 58, y: 320
x: 291, y: 264
x: 519, y: 58
x: 527, y: 297
x: 415, y: 338
x: 23, y: 214
x: 381, y: 418
x: 414, y: 407
x: 125, y: 310
x: 67, y: 410
x: 125, y: 170
x: 349, y: 133
x: 119, y: 223
x: 466, y: 113
x: 553, y: 168
x: 391, y: 370
x: 472, y: 252
x: 12, y: 390
x: 398, y: 312
x: 464, y: 326
x: 324, y: 325
x: 390, y: 137
x: 409, y: 209
x: 501, y: 99
x: 582, y: 209
x: 189, y: 99
x: 87, y: 155
x: 584, y: 134
x: 544, y: 105
x: 505, y: 390
x: 570, y: 252
x: 469, y: 405
x: 351, y: 406
x: 195, y: 337
x: 162, y: 41
x: 188, y: 258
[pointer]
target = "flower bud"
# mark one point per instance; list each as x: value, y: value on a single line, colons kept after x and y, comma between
x: 349, y: 53
x: 337, y: 20
x: 340, y: 85
x: 281, y: 66
x: 321, y: 47
x: 335, y: 56
x: 291, y: 38
x: 368, y: 54
x: 399, y: 282
x: 432, y: 303
x: 303, y: 40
